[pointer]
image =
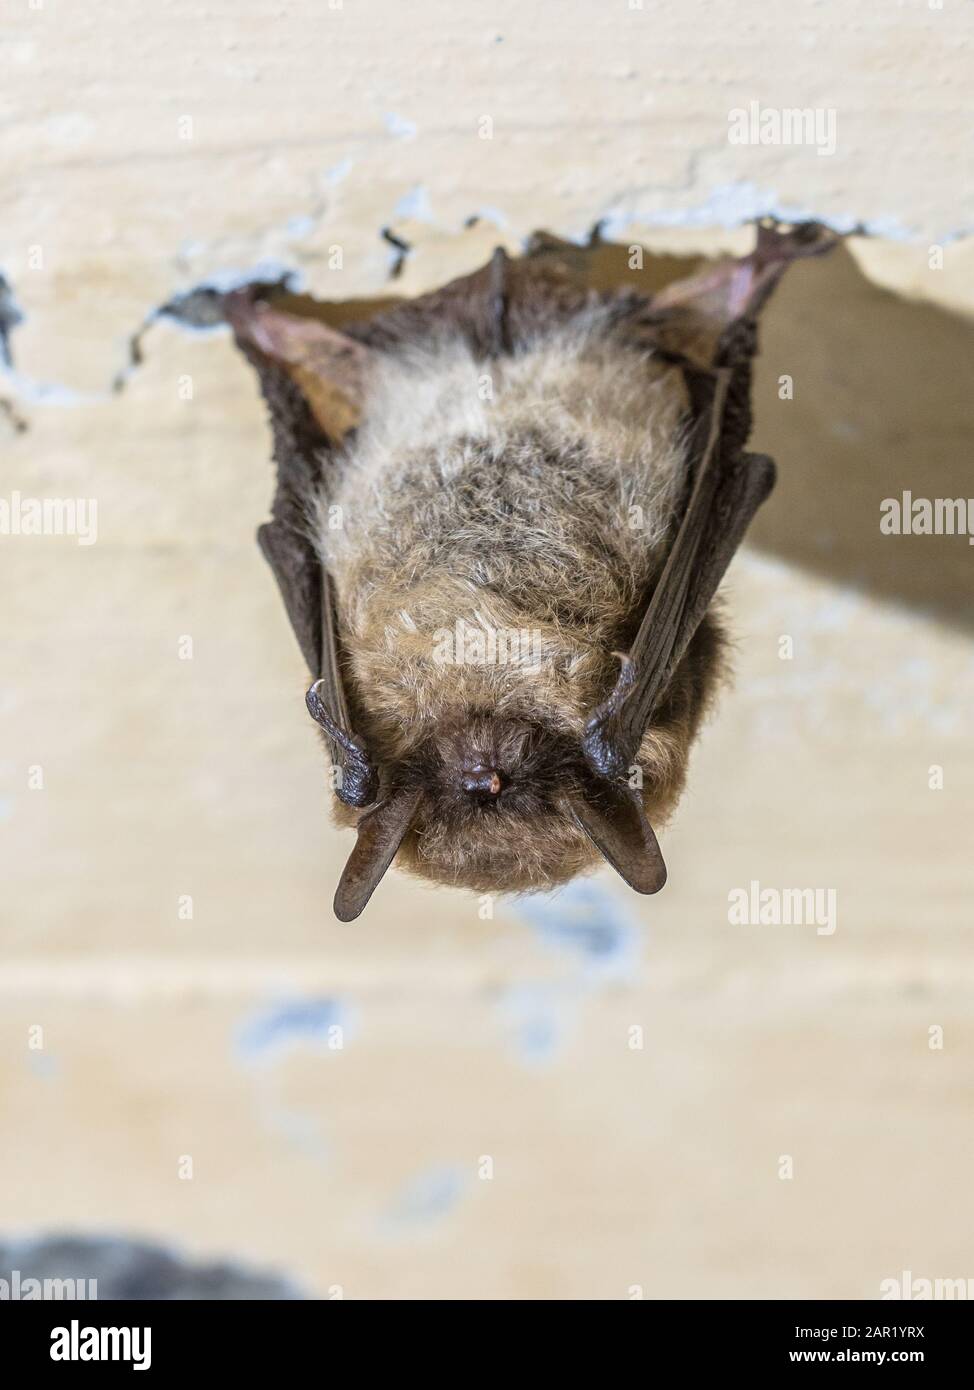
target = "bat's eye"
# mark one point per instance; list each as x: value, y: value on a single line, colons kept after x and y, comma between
x: 483, y: 783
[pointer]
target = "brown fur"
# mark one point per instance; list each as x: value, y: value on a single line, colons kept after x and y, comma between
x: 537, y: 493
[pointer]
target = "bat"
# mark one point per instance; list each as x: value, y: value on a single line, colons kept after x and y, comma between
x: 502, y: 514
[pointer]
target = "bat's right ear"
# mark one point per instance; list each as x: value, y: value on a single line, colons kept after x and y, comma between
x: 617, y: 826
x: 327, y: 367
x: 380, y: 833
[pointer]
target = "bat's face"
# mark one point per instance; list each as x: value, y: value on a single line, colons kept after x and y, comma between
x: 506, y: 801
x: 493, y: 814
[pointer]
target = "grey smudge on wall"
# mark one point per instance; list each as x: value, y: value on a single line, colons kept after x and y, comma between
x: 279, y: 1028
x: 10, y: 315
x: 588, y: 921
x: 602, y: 940
x: 426, y: 1197
x: 135, y: 1269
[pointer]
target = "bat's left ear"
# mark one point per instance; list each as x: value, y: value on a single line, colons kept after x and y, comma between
x: 618, y: 828
x: 327, y: 367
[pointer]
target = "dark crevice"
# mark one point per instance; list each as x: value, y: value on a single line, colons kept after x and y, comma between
x: 199, y: 309
x: 402, y: 249
x: 12, y: 415
x: 10, y: 315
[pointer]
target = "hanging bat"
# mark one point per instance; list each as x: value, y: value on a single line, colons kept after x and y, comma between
x: 502, y: 514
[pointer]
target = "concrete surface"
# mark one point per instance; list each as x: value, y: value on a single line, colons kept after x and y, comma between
x: 338, y: 1091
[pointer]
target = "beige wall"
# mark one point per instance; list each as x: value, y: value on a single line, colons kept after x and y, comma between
x: 314, y: 128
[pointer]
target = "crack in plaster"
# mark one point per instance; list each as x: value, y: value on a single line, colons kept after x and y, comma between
x: 196, y: 309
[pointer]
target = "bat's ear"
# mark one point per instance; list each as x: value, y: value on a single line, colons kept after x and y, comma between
x: 326, y: 366
x: 617, y: 826
x: 312, y: 381
x: 380, y: 833
x: 704, y: 306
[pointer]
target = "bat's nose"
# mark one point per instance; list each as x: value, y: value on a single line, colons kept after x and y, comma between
x: 485, y: 781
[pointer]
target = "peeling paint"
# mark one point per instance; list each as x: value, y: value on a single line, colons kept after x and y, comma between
x: 199, y: 309
x: 32, y: 392
x: 732, y: 205
x: 195, y: 308
x: 23, y: 388
x: 11, y: 315
x: 339, y: 171
x: 415, y: 204
x: 400, y: 126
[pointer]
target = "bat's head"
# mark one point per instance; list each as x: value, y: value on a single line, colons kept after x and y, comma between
x: 498, y: 804
x: 509, y: 802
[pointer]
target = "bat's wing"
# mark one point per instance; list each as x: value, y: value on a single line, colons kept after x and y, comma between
x: 311, y: 379
x: 708, y: 325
